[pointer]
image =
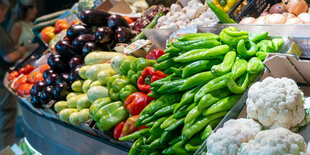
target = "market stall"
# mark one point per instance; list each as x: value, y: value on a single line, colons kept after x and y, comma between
x: 168, y: 80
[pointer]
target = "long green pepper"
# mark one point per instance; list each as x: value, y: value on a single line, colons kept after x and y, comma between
x: 226, y: 65
x: 224, y: 104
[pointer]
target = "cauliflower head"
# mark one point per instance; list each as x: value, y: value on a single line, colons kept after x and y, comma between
x: 228, y: 140
x: 276, y: 102
x: 274, y: 142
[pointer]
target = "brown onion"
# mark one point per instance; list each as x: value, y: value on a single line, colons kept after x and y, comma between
x: 297, y: 7
x: 247, y: 20
x: 278, y: 8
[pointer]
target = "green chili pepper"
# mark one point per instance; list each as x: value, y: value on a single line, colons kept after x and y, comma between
x: 168, y: 121
x: 221, y: 14
x: 261, y: 55
x: 141, y: 118
x: 224, y: 104
x: 231, y: 36
x: 246, y: 49
x: 167, y: 136
x: 226, y: 65
x: 233, y: 87
x: 239, y: 67
x: 201, y: 54
x: 187, y: 97
x: 201, y: 44
x: 179, y: 148
x: 168, y: 151
x: 162, y: 81
x: 135, y: 135
x: 212, y: 97
x: 148, y: 120
x: 258, y: 37
x: 215, y: 84
x: 199, y: 124
x: 164, y: 57
x: 171, y: 87
x: 172, y: 50
x: 175, y: 140
x: 184, y: 111
x: 197, y: 79
x: 206, y: 132
x: 175, y: 124
x: 149, y: 125
x: 277, y: 43
x: 194, y: 113
x: 164, y: 64
x: 134, y: 150
x: 198, y: 66
x: 198, y: 36
x: 156, y: 144
x: 266, y: 46
x: 176, y: 71
x: 165, y: 110
x: 255, y: 65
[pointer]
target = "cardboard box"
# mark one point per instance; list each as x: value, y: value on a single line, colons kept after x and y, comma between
x: 117, y: 6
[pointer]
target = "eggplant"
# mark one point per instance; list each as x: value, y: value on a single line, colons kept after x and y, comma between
x: 74, y: 74
x: 56, y: 62
x: 62, y: 78
x: 47, y: 72
x: 35, y: 101
x: 116, y: 21
x: 75, y: 61
x: 81, y: 40
x: 61, y: 91
x: 103, y: 34
x: 76, y: 30
x: 46, y: 95
x: 89, y: 47
x: 94, y: 17
x: 65, y: 49
x: 36, y: 88
x: 51, y: 79
x: 123, y: 35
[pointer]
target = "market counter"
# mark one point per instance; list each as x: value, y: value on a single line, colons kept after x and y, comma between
x: 49, y: 136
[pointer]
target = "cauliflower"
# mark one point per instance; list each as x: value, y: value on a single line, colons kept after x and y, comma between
x: 228, y: 140
x: 276, y: 103
x: 274, y: 142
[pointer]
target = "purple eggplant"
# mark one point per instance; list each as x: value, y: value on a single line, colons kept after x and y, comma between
x: 76, y: 30
x: 47, y: 72
x: 36, y: 88
x: 123, y: 35
x: 74, y: 74
x: 81, y: 40
x: 46, y: 95
x: 62, y: 78
x: 94, y: 17
x: 65, y: 49
x: 103, y: 34
x: 75, y: 61
x: 61, y: 91
x: 51, y: 79
x: 35, y: 101
x: 89, y: 47
x: 116, y: 21
x: 56, y: 62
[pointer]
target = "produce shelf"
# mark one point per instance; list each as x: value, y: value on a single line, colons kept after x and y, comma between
x: 50, y: 136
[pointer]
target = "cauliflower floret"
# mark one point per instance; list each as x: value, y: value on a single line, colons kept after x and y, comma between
x: 274, y: 142
x: 228, y: 140
x: 276, y: 103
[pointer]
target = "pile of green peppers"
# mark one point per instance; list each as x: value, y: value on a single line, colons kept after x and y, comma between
x: 207, y: 75
x: 120, y: 87
x: 132, y: 67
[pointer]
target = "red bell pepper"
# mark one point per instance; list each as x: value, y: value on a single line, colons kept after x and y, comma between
x: 118, y: 130
x: 148, y: 76
x: 155, y: 54
x: 136, y: 102
x: 129, y: 126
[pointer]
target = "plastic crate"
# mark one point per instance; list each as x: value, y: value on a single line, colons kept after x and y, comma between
x: 254, y: 8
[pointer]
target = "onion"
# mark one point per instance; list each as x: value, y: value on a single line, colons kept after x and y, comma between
x: 297, y: 7
x: 288, y: 15
x: 261, y: 20
x: 247, y: 20
x: 265, y: 12
x: 294, y: 21
x: 276, y: 19
x: 278, y: 8
x: 305, y: 17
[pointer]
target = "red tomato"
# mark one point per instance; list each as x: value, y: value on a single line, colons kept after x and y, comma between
x: 29, y: 78
x: 13, y: 75
x: 61, y: 27
x: 128, y: 19
x: 37, y: 76
x: 44, y: 67
x: 21, y: 71
x: 24, y: 89
x: 29, y: 69
x: 20, y: 81
x: 47, y: 34
x: 118, y: 130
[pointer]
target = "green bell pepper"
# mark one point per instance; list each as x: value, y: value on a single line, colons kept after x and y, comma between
x: 255, y: 65
x: 126, y: 91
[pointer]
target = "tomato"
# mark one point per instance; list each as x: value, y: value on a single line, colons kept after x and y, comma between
x: 21, y: 71
x: 13, y: 75
x: 29, y: 69
x: 128, y: 19
x: 20, y: 81
x: 24, y: 89
x: 37, y: 76
x: 29, y: 78
x: 118, y: 130
x: 44, y: 67
x: 47, y: 34
x: 60, y: 25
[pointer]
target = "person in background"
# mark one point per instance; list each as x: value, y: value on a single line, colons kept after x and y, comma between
x: 9, y: 53
x: 21, y: 31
